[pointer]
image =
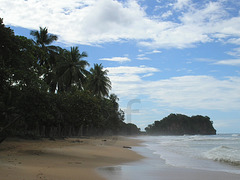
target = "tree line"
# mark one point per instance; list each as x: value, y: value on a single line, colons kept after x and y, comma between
x: 47, y: 91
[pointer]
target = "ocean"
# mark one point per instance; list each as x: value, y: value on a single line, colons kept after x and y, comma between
x: 211, y: 157
x: 211, y: 152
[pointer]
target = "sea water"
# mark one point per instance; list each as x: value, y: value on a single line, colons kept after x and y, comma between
x: 182, y: 157
x: 211, y: 152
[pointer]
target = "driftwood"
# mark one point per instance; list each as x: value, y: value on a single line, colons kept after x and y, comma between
x: 128, y: 147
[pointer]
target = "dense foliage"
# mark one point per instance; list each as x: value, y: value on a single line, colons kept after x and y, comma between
x: 46, y: 91
x: 178, y: 124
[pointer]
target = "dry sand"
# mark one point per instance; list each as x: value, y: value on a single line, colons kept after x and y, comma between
x: 70, y: 159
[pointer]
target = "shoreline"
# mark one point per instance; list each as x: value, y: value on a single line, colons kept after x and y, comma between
x: 153, y: 167
x: 73, y: 158
x: 99, y: 158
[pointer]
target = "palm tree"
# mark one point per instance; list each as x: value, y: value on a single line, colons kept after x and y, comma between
x: 43, y: 39
x: 99, y: 83
x: 72, y: 70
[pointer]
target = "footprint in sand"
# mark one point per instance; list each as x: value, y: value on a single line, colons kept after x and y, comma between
x: 41, y: 176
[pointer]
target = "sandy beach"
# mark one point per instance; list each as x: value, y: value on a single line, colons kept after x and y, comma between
x: 92, y: 159
x: 69, y: 159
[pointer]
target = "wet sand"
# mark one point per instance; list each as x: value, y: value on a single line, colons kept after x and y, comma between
x: 152, y: 167
x: 70, y: 159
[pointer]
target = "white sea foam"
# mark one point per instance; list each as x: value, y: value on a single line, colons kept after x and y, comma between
x: 235, y: 135
x: 224, y: 154
x: 217, y: 153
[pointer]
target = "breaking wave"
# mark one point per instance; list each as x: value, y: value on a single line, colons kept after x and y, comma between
x: 224, y: 154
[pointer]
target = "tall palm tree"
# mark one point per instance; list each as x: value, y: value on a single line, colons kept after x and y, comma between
x: 43, y: 39
x: 72, y: 70
x: 99, y: 83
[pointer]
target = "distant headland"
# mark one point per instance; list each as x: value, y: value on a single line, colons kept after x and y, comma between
x: 179, y: 124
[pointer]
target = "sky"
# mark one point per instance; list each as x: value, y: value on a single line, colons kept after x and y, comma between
x: 162, y: 56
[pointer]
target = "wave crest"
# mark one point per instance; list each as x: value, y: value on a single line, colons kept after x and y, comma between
x: 224, y: 154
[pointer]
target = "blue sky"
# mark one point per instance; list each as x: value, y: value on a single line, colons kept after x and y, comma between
x: 175, y: 56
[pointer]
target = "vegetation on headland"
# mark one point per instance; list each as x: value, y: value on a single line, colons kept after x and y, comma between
x: 46, y: 91
x: 178, y: 124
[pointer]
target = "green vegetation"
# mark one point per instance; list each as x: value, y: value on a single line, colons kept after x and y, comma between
x: 46, y: 91
x: 178, y: 124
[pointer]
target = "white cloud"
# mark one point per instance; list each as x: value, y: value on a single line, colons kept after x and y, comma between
x: 143, y: 55
x: 234, y: 41
x: 143, y: 58
x: 232, y: 62
x: 125, y: 79
x: 229, y: 27
x: 212, y: 13
x: 191, y: 92
x: 235, y: 52
x: 184, y: 69
x: 195, y: 92
x: 94, y: 22
x: 181, y: 4
x: 166, y: 14
x: 154, y: 52
x: 116, y: 59
x: 78, y: 21
x: 148, y: 75
x: 131, y: 70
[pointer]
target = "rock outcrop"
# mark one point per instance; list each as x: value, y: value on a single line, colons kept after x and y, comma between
x: 178, y: 124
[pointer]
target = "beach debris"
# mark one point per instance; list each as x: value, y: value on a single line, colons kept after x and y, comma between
x: 77, y: 141
x: 128, y: 147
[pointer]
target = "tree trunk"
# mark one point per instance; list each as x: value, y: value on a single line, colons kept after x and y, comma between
x: 80, y: 131
x: 3, y: 136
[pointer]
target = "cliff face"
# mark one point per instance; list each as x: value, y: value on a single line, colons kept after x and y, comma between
x: 178, y: 124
